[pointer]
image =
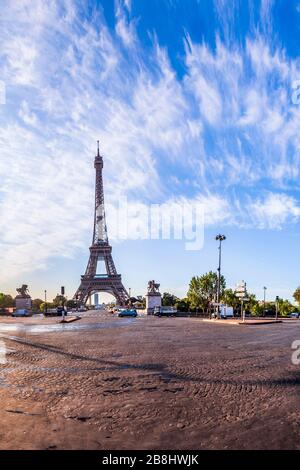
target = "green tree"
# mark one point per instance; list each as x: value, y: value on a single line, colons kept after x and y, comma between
x: 169, y: 299
x: 6, y: 301
x: 203, y: 290
x: 229, y: 298
x: 183, y: 305
x: 296, y: 295
x: 285, y: 307
x: 49, y: 306
x: 59, y: 300
x: 251, y: 303
x: 257, y: 310
x: 71, y: 303
x: 270, y: 309
x: 36, y: 304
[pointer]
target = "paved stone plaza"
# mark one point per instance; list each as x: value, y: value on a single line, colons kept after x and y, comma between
x: 150, y: 383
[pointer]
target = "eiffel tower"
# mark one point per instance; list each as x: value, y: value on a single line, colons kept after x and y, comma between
x: 100, y: 250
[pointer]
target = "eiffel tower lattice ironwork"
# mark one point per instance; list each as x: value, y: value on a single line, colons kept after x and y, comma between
x: 100, y: 250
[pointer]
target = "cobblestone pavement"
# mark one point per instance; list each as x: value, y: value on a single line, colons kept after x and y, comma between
x: 148, y: 383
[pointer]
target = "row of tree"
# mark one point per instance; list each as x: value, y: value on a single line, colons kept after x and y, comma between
x: 7, y: 301
x: 202, y: 293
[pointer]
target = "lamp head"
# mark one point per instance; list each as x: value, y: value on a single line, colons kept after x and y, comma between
x: 220, y: 237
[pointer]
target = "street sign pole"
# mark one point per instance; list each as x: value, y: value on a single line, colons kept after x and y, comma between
x: 241, y: 293
x: 62, y: 291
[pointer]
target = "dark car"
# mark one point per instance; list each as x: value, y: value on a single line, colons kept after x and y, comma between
x: 128, y: 312
x: 294, y: 315
x: 21, y: 312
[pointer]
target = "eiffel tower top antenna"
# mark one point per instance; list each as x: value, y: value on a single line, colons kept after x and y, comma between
x: 100, y: 229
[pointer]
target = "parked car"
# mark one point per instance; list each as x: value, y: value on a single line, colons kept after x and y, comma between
x: 59, y: 311
x: 294, y: 315
x: 118, y: 310
x: 21, y: 312
x: 164, y: 311
x: 51, y: 312
x: 128, y: 312
x: 4, y: 311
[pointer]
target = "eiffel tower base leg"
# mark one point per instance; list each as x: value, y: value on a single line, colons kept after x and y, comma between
x: 110, y: 284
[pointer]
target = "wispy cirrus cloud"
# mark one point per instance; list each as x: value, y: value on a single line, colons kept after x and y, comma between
x: 221, y: 133
x: 273, y: 211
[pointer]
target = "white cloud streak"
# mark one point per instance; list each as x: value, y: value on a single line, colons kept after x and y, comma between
x: 71, y: 81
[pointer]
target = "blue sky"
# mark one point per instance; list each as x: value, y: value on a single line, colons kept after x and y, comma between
x: 192, y: 103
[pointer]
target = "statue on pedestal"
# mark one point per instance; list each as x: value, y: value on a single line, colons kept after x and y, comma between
x: 153, y: 286
x: 23, y: 291
x: 153, y: 297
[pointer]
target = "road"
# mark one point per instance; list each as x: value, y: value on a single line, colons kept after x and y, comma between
x: 148, y: 383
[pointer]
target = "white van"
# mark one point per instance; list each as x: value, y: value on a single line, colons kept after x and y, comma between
x: 226, y: 311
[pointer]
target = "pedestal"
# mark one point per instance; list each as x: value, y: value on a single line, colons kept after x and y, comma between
x: 153, y: 299
x: 23, y: 302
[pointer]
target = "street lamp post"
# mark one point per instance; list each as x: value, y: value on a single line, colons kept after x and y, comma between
x: 220, y: 238
x: 276, y: 304
x: 265, y: 300
x: 45, y: 309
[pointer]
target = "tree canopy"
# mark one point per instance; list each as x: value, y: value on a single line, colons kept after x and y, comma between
x: 36, y: 304
x: 59, y: 300
x: 169, y: 299
x: 6, y: 300
x: 296, y: 295
x: 229, y: 298
x: 203, y: 289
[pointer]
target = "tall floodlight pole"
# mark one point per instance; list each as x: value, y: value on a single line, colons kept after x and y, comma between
x: 219, y: 238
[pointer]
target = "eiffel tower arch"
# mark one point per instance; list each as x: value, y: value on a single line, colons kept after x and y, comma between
x: 100, y: 250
